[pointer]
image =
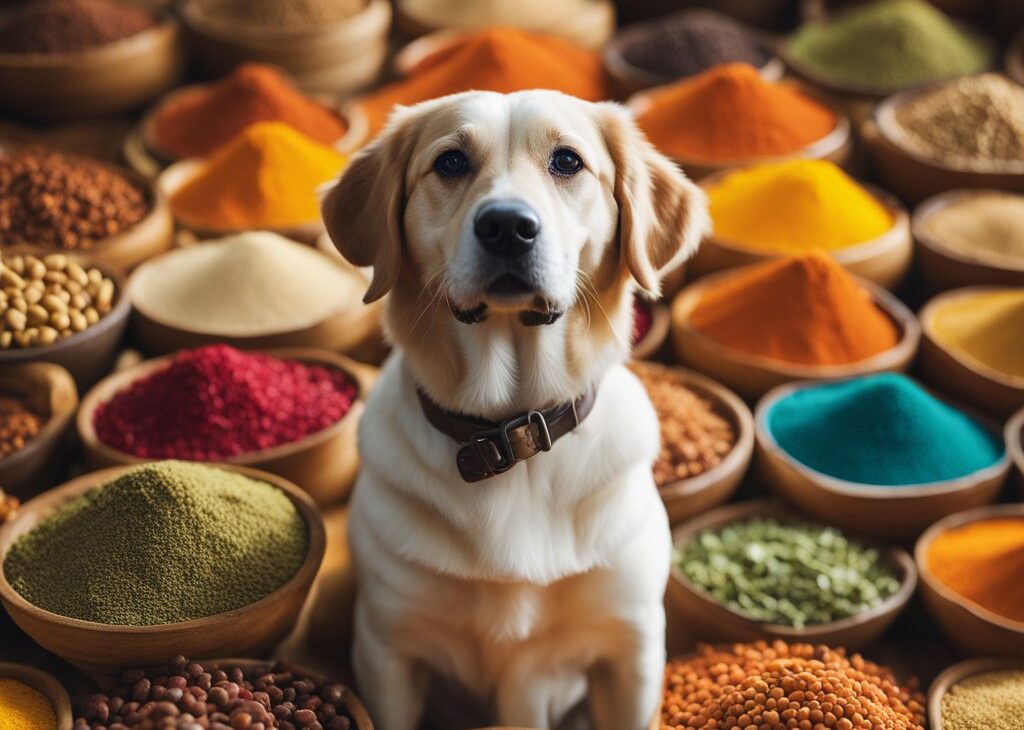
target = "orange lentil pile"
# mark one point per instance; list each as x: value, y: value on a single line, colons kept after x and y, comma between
x: 779, y: 686
x: 8, y: 506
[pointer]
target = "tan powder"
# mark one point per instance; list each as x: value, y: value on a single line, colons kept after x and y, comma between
x: 987, y: 227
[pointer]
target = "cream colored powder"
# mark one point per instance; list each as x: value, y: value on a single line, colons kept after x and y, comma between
x: 987, y: 227
x: 528, y: 14
x: 246, y: 285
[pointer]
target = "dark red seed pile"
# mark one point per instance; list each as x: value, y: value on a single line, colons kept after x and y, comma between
x: 216, y: 402
x: 188, y: 696
x: 641, y: 320
x: 66, y: 26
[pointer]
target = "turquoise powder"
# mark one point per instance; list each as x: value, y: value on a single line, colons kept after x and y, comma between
x: 882, y: 430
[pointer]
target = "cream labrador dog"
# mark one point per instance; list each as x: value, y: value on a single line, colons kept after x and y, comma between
x: 505, y: 528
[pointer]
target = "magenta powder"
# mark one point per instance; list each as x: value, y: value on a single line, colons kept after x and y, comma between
x: 216, y: 402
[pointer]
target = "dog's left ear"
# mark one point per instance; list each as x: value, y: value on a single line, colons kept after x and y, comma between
x: 662, y: 215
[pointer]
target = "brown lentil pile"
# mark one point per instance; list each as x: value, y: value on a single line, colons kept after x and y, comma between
x: 19, y: 424
x: 186, y: 695
x: 8, y: 506
x: 46, y: 299
x: 66, y: 26
x: 694, y: 436
x: 779, y: 686
x: 52, y: 199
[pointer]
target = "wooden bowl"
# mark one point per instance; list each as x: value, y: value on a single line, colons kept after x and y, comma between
x: 970, y: 628
x: 836, y: 146
x: 110, y: 79
x: 915, y: 177
x: 87, y: 355
x: 1015, y: 59
x: 591, y: 26
x: 654, y: 341
x: 753, y: 375
x: 347, y: 330
x: 955, y: 675
x: 697, y: 617
x: 106, y: 650
x: 944, y: 268
x: 50, y: 391
x: 891, y: 513
x: 688, y: 497
x: 884, y: 260
x: 45, y: 683
x: 626, y: 79
x: 340, y: 58
x: 1015, y: 444
x: 958, y: 374
x: 325, y: 463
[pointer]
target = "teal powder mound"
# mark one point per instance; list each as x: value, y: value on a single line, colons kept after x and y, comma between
x: 881, y: 430
x: 889, y: 45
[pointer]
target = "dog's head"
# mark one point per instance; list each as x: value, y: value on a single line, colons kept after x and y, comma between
x: 516, y: 209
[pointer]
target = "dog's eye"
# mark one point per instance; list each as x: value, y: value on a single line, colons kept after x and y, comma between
x: 452, y: 163
x: 566, y: 162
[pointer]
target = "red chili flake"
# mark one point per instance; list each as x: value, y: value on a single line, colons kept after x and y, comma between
x: 217, y: 402
x: 641, y: 320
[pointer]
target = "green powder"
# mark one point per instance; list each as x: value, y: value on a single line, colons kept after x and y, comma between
x: 790, y: 573
x: 889, y: 45
x: 165, y: 542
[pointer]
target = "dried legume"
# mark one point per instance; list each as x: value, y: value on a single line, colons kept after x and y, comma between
x: 8, y: 506
x: 695, y: 436
x: 988, y: 701
x: 19, y: 424
x: 46, y: 299
x: 188, y: 695
x: 792, y: 573
x: 780, y: 686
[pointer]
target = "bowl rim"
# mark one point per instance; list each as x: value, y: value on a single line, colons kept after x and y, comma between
x: 54, y: 498
x: 47, y: 684
x: 897, y: 312
x: 84, y: 417
x: 884, y: 118
x: 941, y: 201
x: 957, y: 673
x: 843, y: 487
x: 373, y: 13
x: 959, y: 519
x: 1014, y: 433
x: 137, y: 277
x: 118, y: 313
x: 897, y: 557
x: 55, y: 423
x: 927, y: 316
x: 820, y: 148
x: 734, y: 409
x: 118, y: 50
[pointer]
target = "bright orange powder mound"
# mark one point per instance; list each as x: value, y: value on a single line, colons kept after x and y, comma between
x: 495, y: 59
x: 730, y: 113
x: 806, y: 310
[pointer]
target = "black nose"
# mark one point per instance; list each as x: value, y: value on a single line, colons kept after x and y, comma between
x: 507, y: 228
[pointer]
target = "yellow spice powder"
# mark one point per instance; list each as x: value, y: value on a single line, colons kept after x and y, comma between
x: 795, y: 207
x: 986, y: 327
x: 23, y: 707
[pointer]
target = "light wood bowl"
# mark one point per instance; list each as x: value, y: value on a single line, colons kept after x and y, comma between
x: 1015, y: 444
x: 1015, y: 58
x: 891, y: 513
x: 697, y: 617
x: 590, y: 27
x: 969, y: 627
x: 106, y: 650
x: 340, y: 58
x: 110, y: 79
x: 836, y: 146
x: 45, y: 683
x: 944, y: 268
x: 347, y: 330
x: 956, y: 674
x: 915, y: 177
x: 752, y: 375
x: 626, y: 79
x: 688, y: 497
x: 87, y: 355
x: 956, y: 373
x: 324, y: 464
x: 651, y: 344
x: 884, y: 260
x: 50, y: 391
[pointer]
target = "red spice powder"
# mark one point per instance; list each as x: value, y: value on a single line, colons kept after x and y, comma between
x: 216, y: 402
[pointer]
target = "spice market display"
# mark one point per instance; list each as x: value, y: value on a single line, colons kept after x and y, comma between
x: 854, y: 313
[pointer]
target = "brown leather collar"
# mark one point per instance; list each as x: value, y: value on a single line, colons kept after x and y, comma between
x: 490, y: 447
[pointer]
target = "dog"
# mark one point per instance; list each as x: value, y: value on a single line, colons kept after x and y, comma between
x: 505, y: 528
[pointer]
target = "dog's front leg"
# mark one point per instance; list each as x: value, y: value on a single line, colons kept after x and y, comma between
x: 625, y: 690
x: 523, y: 700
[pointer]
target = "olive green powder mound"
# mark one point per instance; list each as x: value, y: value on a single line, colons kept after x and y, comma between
x: 162, y: 543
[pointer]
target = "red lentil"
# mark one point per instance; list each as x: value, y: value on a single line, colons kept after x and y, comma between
x: 216, y: 402
x: 18, y: 425
x: 8, y: 506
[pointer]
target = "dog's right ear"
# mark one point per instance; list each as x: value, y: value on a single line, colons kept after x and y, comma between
x: 363, y: 211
